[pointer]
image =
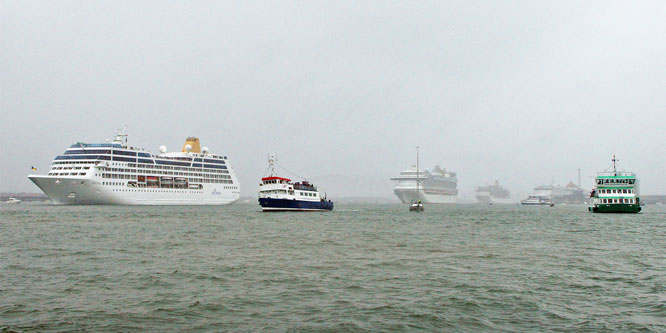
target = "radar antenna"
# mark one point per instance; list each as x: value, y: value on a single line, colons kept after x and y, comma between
x: 121, y: 136
x: 272, y: 159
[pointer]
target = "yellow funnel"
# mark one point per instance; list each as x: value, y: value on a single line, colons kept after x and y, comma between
x: 194, y: 143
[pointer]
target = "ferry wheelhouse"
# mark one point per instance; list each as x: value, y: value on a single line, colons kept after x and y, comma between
x: 280, y: 194
x: 615, y: 192
x: 116, y: 173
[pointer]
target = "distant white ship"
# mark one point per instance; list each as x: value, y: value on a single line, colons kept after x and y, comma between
x: 537, y: 200
x: 570, y: 194
x: 115, y: 173
x: 493, y: 194
x: 12, y: 200
x: 436, y: 186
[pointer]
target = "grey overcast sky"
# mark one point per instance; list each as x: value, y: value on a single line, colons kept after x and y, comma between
x: 343, y: 91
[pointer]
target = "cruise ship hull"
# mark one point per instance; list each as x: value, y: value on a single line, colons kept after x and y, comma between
x: 86, y: 191
x: 485, y: 199
x: 407, y: 196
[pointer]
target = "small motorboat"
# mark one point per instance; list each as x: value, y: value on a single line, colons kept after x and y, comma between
x: 13, y: 200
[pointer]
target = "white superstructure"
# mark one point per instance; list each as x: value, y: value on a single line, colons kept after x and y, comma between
x: 569, y: 194
x: 12, y: 200
x: 493, y: 194
x: 436, y: 186
x: 115, y: 173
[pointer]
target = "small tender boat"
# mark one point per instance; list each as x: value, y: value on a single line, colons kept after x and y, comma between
x: 13, y: 200
x: 417, y: 206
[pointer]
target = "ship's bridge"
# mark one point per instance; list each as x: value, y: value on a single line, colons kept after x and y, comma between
x: 275, y: 180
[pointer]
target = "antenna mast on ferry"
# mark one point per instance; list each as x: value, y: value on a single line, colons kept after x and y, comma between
x: 271, y: 162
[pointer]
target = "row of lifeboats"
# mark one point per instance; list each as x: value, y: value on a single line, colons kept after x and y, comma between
x: 163, y: 180
x: 177, y: 182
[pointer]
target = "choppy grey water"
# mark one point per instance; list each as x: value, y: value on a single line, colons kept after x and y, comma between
x: 360, y: 267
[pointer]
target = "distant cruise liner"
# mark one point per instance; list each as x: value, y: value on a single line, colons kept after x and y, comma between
x: 114, y: 173
x: 492, y: 194
x: 570, y: 194
x: 436, y: 186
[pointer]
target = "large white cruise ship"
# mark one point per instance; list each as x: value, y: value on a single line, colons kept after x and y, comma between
x: 436, y: 186
x: 117, y: 174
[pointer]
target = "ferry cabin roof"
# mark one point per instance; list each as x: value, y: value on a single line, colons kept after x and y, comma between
x: 275, y: 180
x: 305, y: 186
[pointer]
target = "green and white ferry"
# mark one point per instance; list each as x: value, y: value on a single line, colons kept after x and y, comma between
x: 615, y: 192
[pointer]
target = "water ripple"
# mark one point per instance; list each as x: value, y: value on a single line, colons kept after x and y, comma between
x: 359, y: 268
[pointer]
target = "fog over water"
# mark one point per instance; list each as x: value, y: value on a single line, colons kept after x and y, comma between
x: 522, y: 92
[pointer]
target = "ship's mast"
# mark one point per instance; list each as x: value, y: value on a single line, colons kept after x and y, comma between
x: 271, y: 162
x: 614, y: 160
x: 417, y: 173
x: 121, y: 136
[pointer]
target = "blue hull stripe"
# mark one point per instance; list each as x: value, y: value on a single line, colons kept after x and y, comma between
x: 286, y: 204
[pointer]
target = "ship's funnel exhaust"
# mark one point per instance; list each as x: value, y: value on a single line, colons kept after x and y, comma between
x: 193, y: 143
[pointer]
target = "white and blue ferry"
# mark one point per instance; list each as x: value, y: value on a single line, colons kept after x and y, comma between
x: 280, y: 194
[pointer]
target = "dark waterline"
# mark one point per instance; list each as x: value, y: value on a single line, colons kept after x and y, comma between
x: 360, y: 267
